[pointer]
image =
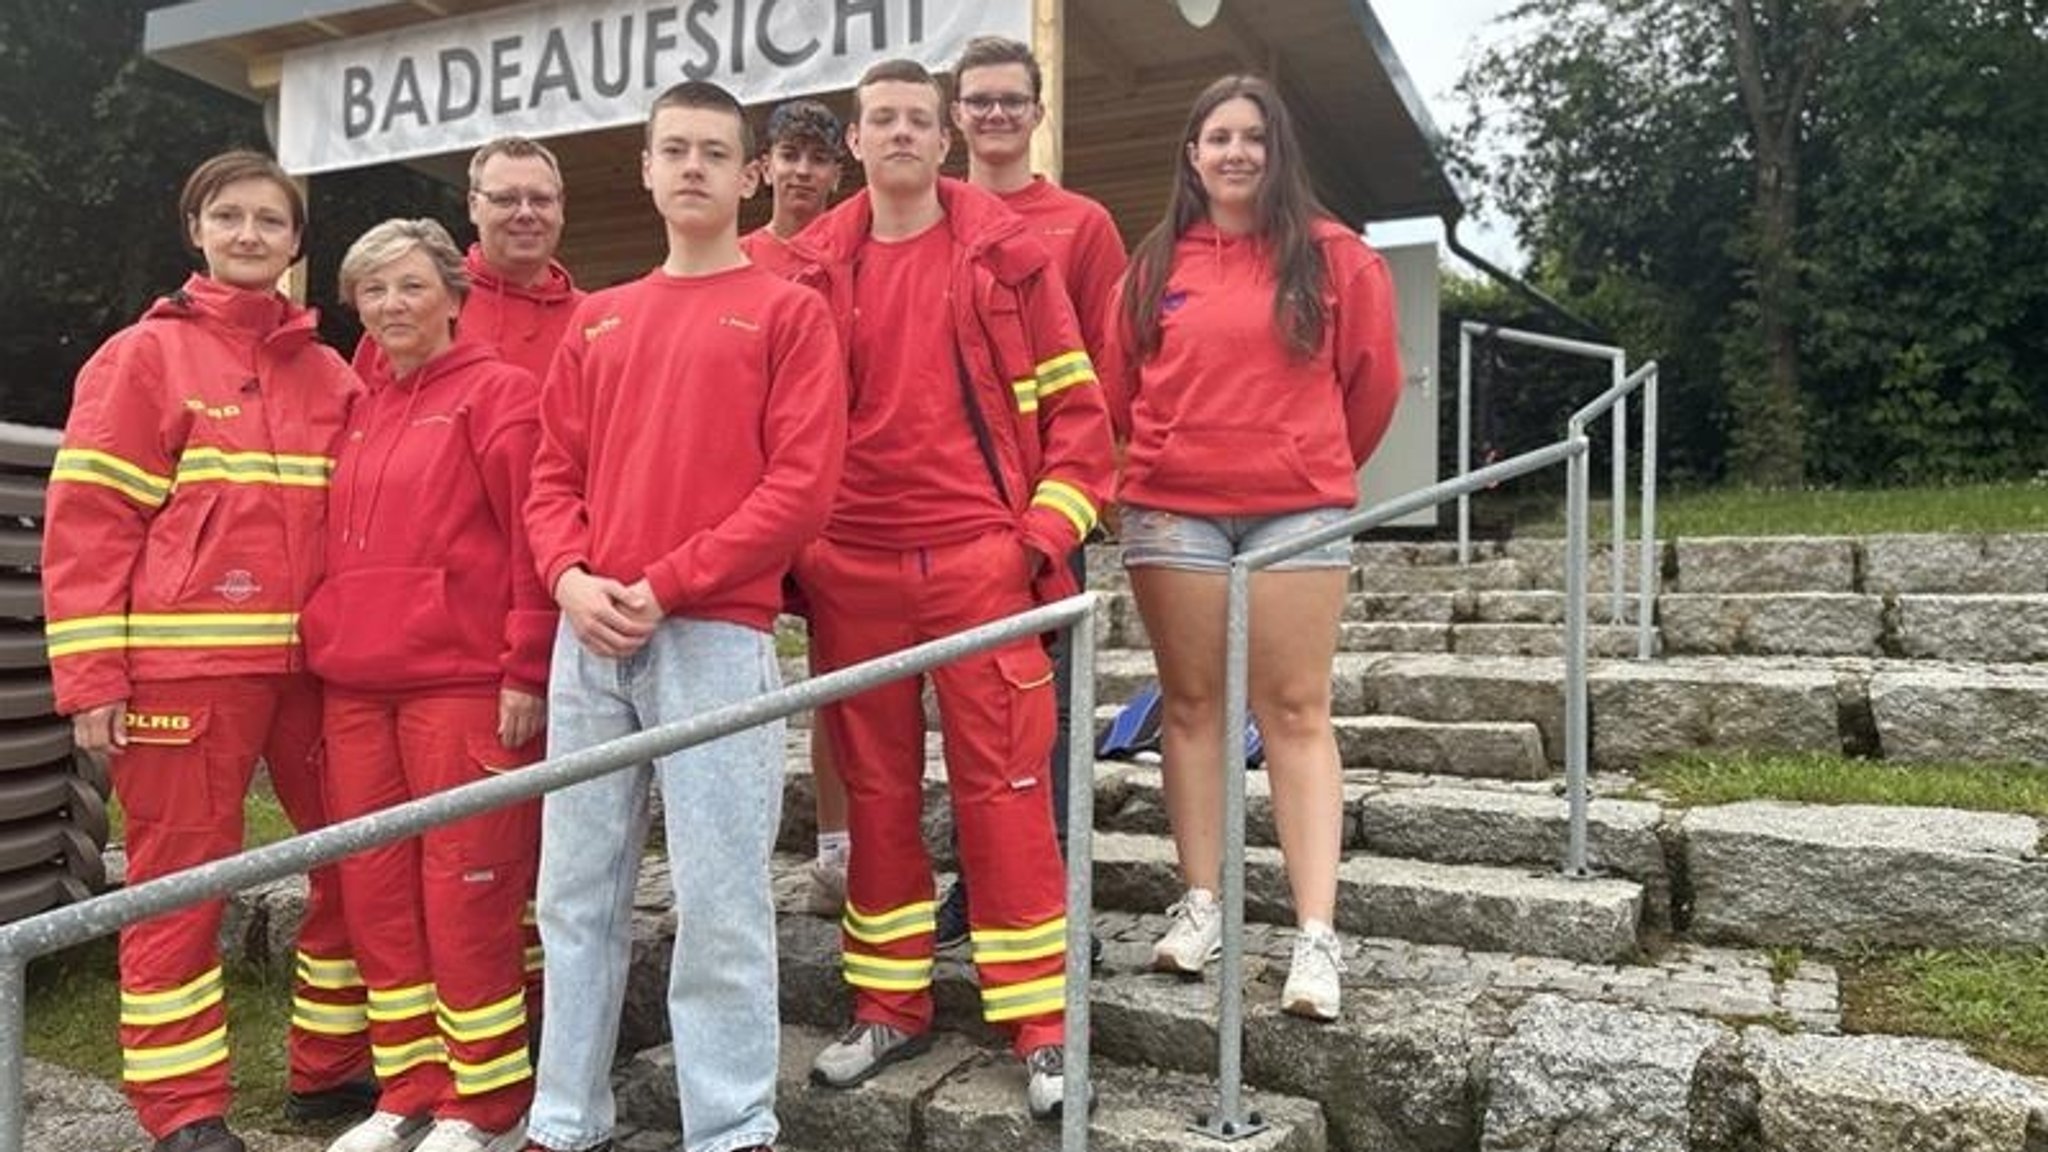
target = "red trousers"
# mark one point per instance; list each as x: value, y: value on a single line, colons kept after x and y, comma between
x: 438, y: 918
x: 193, y: 746
x: 996, y: 715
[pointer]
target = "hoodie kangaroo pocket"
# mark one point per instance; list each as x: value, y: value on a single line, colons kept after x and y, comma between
x: 1260, y: 467
x: 382, y: 628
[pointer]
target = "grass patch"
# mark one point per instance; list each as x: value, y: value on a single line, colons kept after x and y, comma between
x: 1700, y: 778
x: 2018, y: 507
x: 1995, y: 1003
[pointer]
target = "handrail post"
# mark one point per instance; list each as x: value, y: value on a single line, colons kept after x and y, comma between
x: 1578, y: 481
x: 1646, y: 560
x: 13, y: 1050
x: 1080, y: 877
x: 1617, y: 578
x: 1464, y: 441
x: 1231, y: 1122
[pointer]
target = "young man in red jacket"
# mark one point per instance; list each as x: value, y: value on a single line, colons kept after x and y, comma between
x: 692, y: 429
x: 997, y: 87
x: 977, y: 457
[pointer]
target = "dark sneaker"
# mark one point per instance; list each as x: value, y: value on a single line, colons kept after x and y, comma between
x: 600, y: 1146
x: 343, y: 1100
x: 952, y: 919
x: 864, y: 1050
x: 208, y: 1135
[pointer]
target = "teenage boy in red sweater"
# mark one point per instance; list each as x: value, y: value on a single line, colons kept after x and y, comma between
x: 977, y: 457
x: 997, y: 106
x: 692, y: 427
x: 800, y: 160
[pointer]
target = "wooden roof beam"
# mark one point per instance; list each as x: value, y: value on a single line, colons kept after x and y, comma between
x: 1086, y: 36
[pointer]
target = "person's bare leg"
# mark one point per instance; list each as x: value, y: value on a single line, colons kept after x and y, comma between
x: 1293, y: 647
x: 1183, y: 614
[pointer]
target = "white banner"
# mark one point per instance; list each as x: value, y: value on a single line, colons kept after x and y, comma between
x: 550, y: 68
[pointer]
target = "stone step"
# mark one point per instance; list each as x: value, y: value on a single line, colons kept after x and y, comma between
x: 1980, y: 628
x: 1608, y: 640
x: 1774, y: 624
x: 1539, y: 606
x: 963, y: 1097
x: 1480, y: 574
x: 1850, y: 876
x: 1497, y: 909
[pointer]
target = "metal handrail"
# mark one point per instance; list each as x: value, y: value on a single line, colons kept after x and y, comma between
x: 24, y: 940
x: 1230, y: 1122
x: 1614, y: 400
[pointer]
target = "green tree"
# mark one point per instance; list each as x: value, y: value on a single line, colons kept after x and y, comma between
x: 1929, y: 226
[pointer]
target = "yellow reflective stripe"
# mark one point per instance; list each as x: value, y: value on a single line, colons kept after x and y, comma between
x: 1032, y: 998
x: 475, y: 1024
x: 885, y: 974
x: 329, y: 1019
x: 86, y: 466
x: 1068, y: 501
x: 388, y: 1060
x: 85, y: 634
x: 529, y: 917
x: 143, y: 1009
x: 143, y: 1065
x: 1063, y: 372
x: 1027, y: 394
x: 390, y: 1004
x: 916, y: 919
x: 333, y: 975
x: 203, y: 464
x: 491, y: 1075
x: 1008, y: 945
x: 535, y: 958
x: 213, y: 630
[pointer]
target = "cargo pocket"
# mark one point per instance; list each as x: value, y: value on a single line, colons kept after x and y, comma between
x: 167, y: 776
x: 1027, y: 679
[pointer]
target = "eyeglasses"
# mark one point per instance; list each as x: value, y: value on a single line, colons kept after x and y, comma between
x: 508, y: 201
x: 1012, y: 103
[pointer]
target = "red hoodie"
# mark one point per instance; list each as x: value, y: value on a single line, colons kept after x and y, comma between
x: 430, y: 584
x: 188, y: 500
x: 1224, y: 420
x: 692, y: 433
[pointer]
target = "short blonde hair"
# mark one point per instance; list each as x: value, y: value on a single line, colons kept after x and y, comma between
x: 394, y: 238
x: 514, y: 148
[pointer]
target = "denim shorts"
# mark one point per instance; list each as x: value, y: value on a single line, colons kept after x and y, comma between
x: 1156, y: 539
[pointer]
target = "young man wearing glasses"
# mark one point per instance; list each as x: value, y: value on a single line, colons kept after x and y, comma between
x: 996, y: 107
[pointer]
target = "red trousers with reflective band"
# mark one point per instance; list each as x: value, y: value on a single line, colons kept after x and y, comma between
x: 438, y: 918
x: 192, y: 751
x: 996, y: 715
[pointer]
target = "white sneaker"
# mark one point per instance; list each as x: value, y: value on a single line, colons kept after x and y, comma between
x: 383, y: 1132
x: 825, y: 887
x: 1313, y: 990
x: 1196, y: 936
x: 462, y: 1136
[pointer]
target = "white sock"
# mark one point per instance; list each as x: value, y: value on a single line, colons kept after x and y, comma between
x: 835, y: 847
x: 1316, y: 929
x: 1201, y: 896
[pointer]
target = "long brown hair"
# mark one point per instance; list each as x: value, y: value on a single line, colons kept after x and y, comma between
x: 1285, y: 213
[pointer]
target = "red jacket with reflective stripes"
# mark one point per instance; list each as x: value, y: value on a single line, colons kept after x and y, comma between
x: 1021, y: 346
x: 187, y: 508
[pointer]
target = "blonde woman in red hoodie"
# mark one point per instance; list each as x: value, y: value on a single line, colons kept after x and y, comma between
x: 433, y: 633
x: 1253, y: 370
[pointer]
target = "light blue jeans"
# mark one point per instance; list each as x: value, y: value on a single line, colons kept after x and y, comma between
x: 722, y: 802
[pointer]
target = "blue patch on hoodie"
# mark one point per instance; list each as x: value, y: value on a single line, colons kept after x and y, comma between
x: 1172, y: 301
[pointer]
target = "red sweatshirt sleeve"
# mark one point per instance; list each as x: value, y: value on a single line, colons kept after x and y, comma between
x: 509, y: 431
x: 1365, y: 346
x: 1075, y: 469
x: 803, y: 432
x: 557, y: 510
x: 113, y: 472
x: 1118, y: 368
x: 1098, y: 265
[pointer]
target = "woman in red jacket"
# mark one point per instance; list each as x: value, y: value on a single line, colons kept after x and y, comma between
x: 432, y: 633
x: 183, y: 535
x: 1253, y: 371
